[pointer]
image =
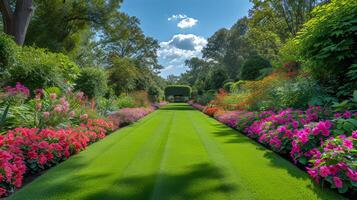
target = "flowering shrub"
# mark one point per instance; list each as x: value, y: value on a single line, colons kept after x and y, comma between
x: 336, y: 163
x: 210, y: 111
x: 306, y: 140
x: 159, y: 105
x: 127, y: 116
x: 30, y: 150
x: 54, y: 111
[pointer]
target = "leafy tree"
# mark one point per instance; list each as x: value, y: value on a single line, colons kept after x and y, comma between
x: 123, y: 37
x: 63, y: 25
x: 229, y: 47
x: 216, y: 78
x: 272, y: 22
x: 252, y: 67
x: 327, y: 44
x: 123, y: 75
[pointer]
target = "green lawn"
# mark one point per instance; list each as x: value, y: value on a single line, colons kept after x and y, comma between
x: 175, y: 153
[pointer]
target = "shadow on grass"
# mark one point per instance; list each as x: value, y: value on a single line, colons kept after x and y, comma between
x: 192, y: 184
x: 168, y: 186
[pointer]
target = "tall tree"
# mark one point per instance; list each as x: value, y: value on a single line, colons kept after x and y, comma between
x: 16, y: 17
x: 65, y: 25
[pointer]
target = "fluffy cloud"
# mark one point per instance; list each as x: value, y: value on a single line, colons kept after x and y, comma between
x: 181, y: 47
x: 185, y: 21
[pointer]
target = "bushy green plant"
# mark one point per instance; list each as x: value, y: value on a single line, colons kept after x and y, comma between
x: 38, y: 68
x: 295, y: 93
x: 228, y: 86
x: 251, y: 68
x: 327, y: 44
x: 125, y: 101
x: 7, y: 52
x: 92, y: 81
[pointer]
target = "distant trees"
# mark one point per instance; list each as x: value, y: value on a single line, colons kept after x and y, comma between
x: 252, y: 45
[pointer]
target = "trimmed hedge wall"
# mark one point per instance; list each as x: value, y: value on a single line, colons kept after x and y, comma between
x: 178, y: 90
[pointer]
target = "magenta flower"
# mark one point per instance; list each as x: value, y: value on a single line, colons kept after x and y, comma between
x: 347, y: 114
x: 354, y: 134
x: 348, y: 144
x: 324, y: 171
x: 337, y: 181
x: 351, y: 174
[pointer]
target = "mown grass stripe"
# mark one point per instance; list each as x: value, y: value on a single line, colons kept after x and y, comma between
x: 231, y: 181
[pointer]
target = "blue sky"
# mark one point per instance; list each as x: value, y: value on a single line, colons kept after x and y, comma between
x: 183, y: 26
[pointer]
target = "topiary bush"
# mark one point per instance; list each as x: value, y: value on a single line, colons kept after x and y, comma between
x: 92, y: 81
x: 251, y: 69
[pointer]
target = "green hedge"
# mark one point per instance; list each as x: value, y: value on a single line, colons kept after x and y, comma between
x: 178, y: 90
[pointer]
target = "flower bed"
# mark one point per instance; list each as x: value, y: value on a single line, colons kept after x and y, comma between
x: 127, y: 116
x: 323, y: 143
x: 31, y: 150
x: 55, y: 128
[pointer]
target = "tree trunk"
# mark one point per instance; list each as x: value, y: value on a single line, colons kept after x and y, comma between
x: 16, y: 23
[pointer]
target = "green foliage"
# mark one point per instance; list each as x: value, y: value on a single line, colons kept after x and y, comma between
x: 327, y: 43
x: 92, y: 81
x: 123, y: 75
x: 298, y: 93
x: 228, y: 86
x: 38, y: 68
x: 237, y: 86
x: 178, y: 90
x: 251, y: 68
x: 62, y: 26
x: 125, y: 101
x: 216, y: 77
x: 7, y: 52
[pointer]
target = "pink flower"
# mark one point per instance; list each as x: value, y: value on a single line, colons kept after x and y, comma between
x: 72, y: 114
x: 42, y: 159
x: 46, y: 115
x: 84, y: 116
x: 347, y: 114
x: 348, y: 144
x: 324, y: 171
x: 295, y: 124
x: 79, y: 95
x: 2, y: 191
x: 351, y: 174
x: 58, y: 108
x: 53, y: 96
x: 337, y: 181
x: 354, y: 134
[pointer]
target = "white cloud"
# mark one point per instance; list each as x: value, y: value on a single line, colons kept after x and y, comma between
x: 175, y: 17
x: 185, y: 21
x: 179, y: 48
